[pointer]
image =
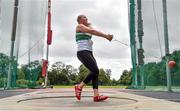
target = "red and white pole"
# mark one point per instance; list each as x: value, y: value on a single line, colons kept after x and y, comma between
x: 49, y: 40
x: 49, y: 31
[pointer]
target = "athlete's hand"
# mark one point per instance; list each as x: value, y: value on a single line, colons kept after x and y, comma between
x: 109, y: 37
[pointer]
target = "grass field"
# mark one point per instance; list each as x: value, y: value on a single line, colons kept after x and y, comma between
x: 59, y: 86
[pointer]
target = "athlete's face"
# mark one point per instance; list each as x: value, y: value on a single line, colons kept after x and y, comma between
x: 84, y: 20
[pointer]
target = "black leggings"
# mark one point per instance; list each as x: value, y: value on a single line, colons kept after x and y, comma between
x: 87, y: 58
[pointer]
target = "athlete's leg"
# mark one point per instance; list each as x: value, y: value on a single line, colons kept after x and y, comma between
x: 88, y: 60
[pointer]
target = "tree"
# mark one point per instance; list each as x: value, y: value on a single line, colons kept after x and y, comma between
x: 72, y: 73
x: 104, y: 78
x: 52, y: 77
x: 126, y: 77
x: 114, y: 82
x: 58, y: 74
x: 20, y: 74
x: 4, y: 62
x: 64, y: 80
x: 108, y: 73
x: 83, y: 72
x: 59, y: 66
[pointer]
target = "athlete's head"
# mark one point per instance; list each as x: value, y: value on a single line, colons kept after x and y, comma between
x: 82, y: 19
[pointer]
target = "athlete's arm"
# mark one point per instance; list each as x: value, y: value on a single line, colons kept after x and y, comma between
x: 85, y: 29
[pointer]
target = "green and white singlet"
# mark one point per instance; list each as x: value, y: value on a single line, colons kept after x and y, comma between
x: 84, y: 41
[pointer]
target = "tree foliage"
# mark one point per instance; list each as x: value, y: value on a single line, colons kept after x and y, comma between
x: 4, y: 62
x: 126, y: 77
x: 68, y: 75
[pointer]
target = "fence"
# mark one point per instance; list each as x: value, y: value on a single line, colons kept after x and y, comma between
x: 28, y: 45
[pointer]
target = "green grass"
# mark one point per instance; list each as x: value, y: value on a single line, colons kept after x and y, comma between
x: 60, y: 86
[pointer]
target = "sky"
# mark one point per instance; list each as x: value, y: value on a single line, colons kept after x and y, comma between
x: 109, y: 16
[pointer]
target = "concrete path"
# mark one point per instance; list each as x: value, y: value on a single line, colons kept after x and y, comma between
x: 63, y: 100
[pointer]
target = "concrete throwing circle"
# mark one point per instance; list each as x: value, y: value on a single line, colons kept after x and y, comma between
x: 70, y: 101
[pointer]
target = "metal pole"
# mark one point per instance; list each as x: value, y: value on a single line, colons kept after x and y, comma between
x: 29, y: 60
x: 140, y: 35
x: 0, y: 20
x: 133, y: 43
x: 166, y: 44
x: 13, y: 36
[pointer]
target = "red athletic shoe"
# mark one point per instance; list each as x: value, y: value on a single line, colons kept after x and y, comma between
x: 100, y: 98
x: 78, y: 92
